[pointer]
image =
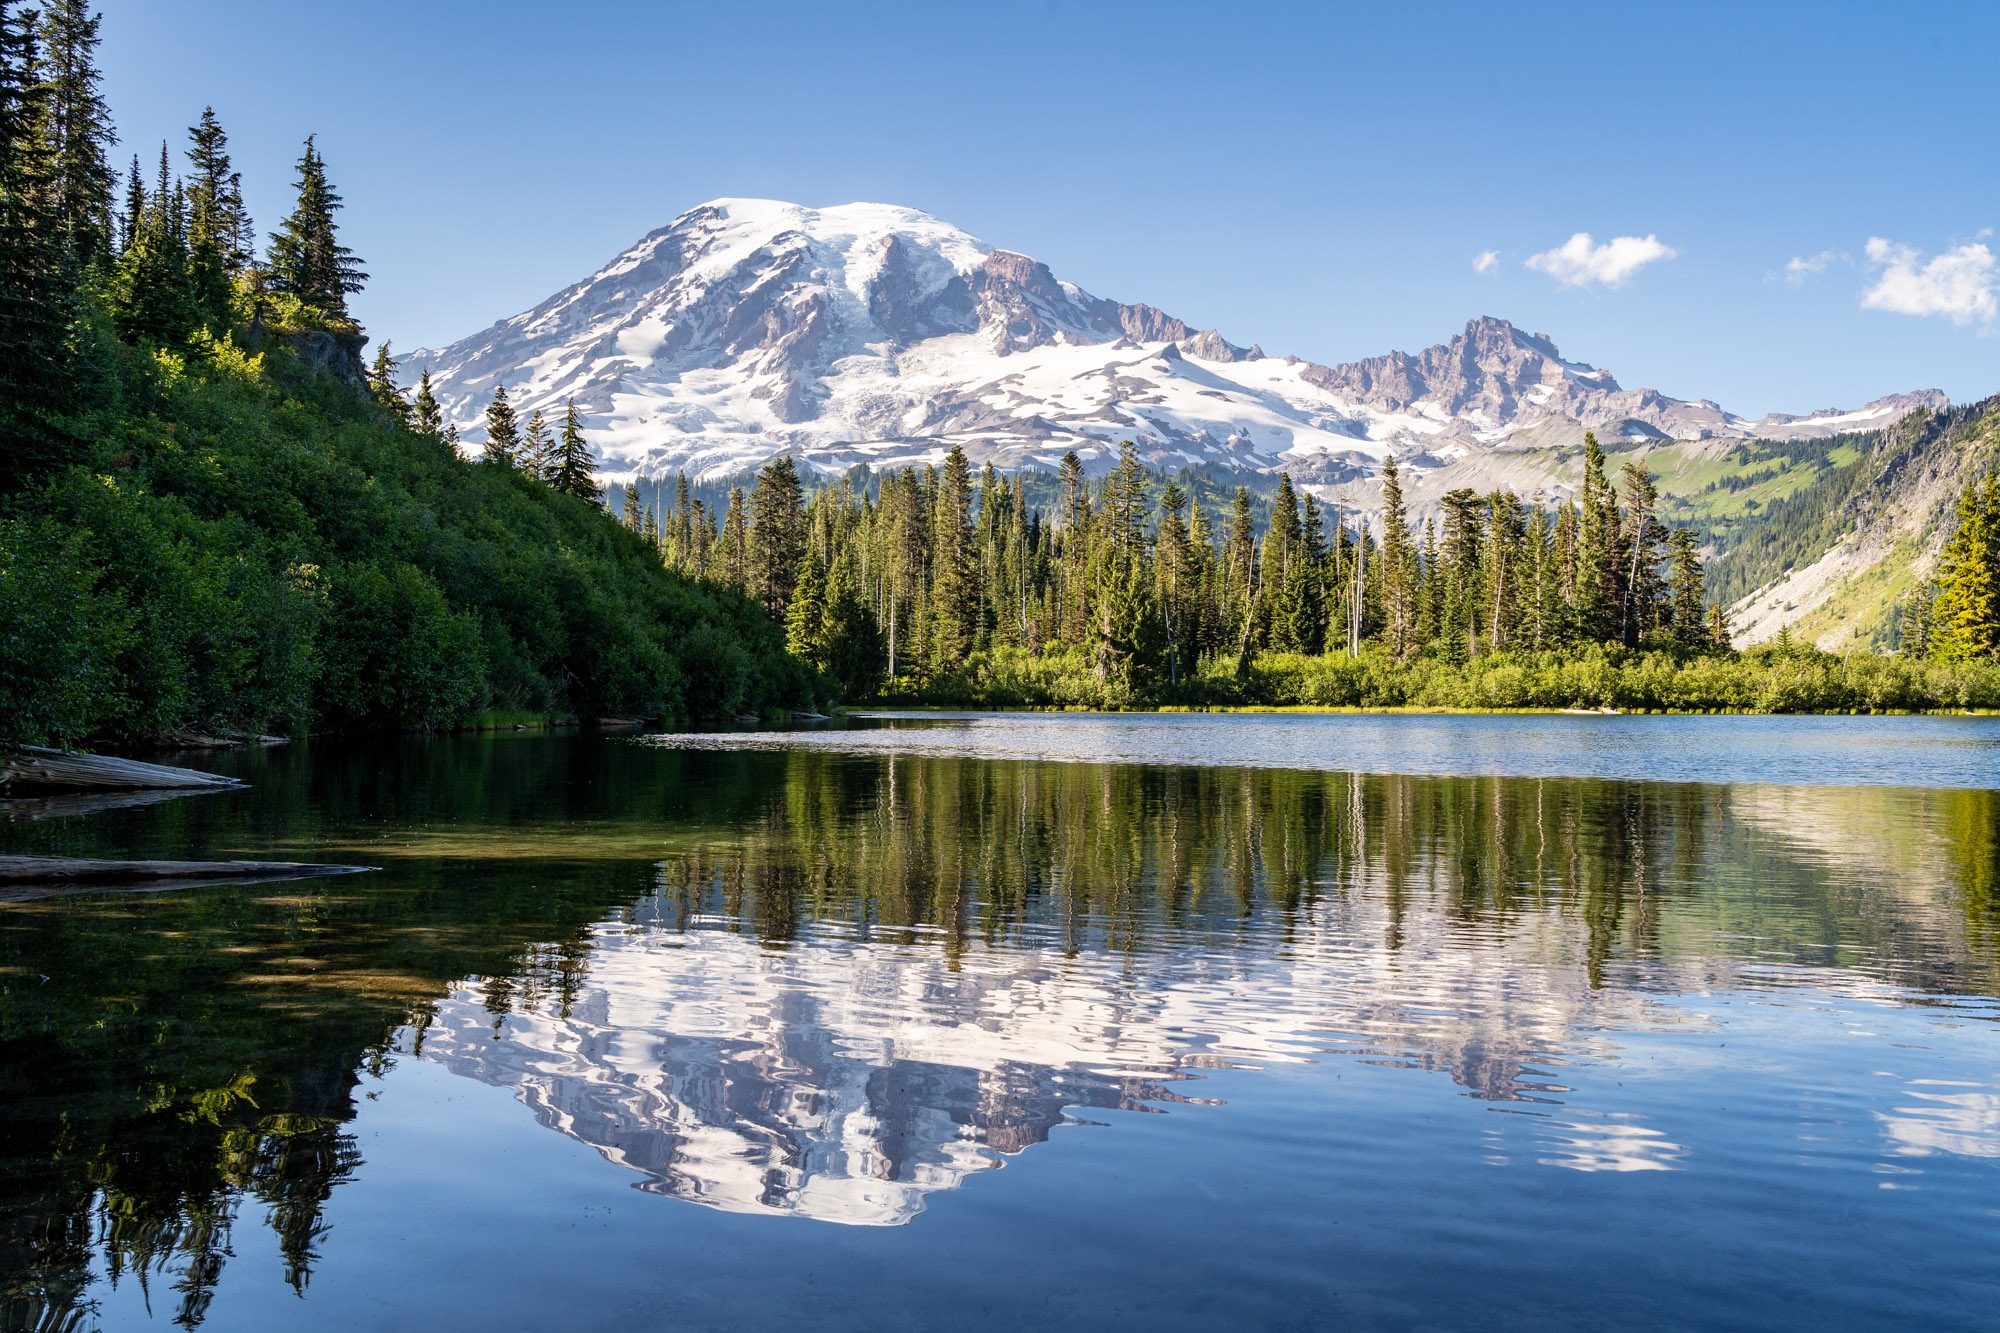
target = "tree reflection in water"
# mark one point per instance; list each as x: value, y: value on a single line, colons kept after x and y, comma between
x: 830, y: 985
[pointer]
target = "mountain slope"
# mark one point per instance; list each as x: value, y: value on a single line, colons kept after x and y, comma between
x: 873, y: 334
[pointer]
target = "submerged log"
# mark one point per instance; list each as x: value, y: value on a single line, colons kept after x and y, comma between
x: 30, y: 766
x: 65, y: 869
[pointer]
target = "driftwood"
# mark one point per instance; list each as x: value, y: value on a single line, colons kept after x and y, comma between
x: 30, y: 766
x: 49, y: 869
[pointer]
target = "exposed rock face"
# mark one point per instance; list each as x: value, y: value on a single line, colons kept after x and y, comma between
x: 871, y: 334
x: 336, y: 354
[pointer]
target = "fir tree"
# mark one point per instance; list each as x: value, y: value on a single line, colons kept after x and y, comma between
x: 733, y: 546
x: 503, y: 430
x: 215, y: 195
x: 1686, y: 622
x: 1397, y: 564
x: 35, y: 302
x: 307, y: 258
x: 1967, y: 609
x: 538, y: 448
x: 151, y: 292
x: 1594, y: 596
x: 575, y: 471
x: 77, y: 130
x: 777, y: 535
x: 426, y: 417
x: 805, y: 618
x: 954, y: 600
x: 382, y: 386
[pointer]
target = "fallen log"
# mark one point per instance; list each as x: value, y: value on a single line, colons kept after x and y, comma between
x: 31, y: 766
x: 66, y: 869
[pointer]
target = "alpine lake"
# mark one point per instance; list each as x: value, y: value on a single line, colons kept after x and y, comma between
x: 1026, y: 1021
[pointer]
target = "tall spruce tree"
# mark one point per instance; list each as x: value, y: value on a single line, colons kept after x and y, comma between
x: 1967, y: 608
x: 575, y: 471
x: 307, y: 258
x: 35, y: 300
x: 538, y: 448
x: 215, y: 195
x: 503, y: 430
x: 77, y: 130
x: 426, y: 416
x: 1397, y: 564
x: 777, y: 535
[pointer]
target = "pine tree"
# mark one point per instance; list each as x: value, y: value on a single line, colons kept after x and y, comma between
x: 538, y: 448
x: 575, y: 470
x: 151, y: 290
x: 1397, y: 564
x: 777, y: 535
x: 1641, y: 594
x: 503, y: 430
x: 77, y: 130
x: 954, y: 599
x: 216, y: 221
x: 426, y: 416
x: 35, y: 300
x: 382, y: 386
x: 1592, y: 605
x: 307, y: 258
x: 1686, y: 619
x: 1967, y: 609
x: 805, y: 618
x: 135, y: 206
x: 215, y: 195
x: 733, y: 547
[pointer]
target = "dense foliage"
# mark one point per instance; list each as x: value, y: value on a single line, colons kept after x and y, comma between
x: 209, y: 518
x: 933, y: 586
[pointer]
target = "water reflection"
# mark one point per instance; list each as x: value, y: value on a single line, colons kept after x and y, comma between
x: 832, y: 986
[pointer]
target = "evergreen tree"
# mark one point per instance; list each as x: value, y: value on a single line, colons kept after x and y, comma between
x: 1641, y: 594
x: 77, y: 130
x: 214, y: 220
x: 503, y: 430
x: 733, y: 547
x: 382, y: 386
x: 1967, y: 609
x: 954, y: 599
x: 426, y: 416
x: 135, y: 206
x: 1397, y: 564
x: 777, y: 535
x: 35, y: 303
x: 1687, y: 621
x: 805, y: 618
x: 575, y: 470
x: 1593, y: 602
x: 215, y: 195
x: 307, y: 258
x: 538, y: 448
x: 151, y: 291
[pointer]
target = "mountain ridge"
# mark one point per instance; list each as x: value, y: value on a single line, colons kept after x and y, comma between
x: 879, y: 335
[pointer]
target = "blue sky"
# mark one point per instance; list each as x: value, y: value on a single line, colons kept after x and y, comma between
x: 1317, y: 178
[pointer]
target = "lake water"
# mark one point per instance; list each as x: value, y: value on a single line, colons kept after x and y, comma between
x: 1029, y: 1021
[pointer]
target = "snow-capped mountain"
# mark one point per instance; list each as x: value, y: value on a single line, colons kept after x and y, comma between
x: 874, y: 334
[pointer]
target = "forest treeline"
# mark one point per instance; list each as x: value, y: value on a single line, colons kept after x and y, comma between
x: 212, y: 518
x: 938, y: 585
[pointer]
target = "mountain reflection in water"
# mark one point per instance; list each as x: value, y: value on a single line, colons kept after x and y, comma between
x: 831, y: 986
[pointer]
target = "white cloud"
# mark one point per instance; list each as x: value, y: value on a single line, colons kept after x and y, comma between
x: 1579, y: 262
x: 1958, y: 284
x: 1800, y: 267
x: 1486, y: 263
